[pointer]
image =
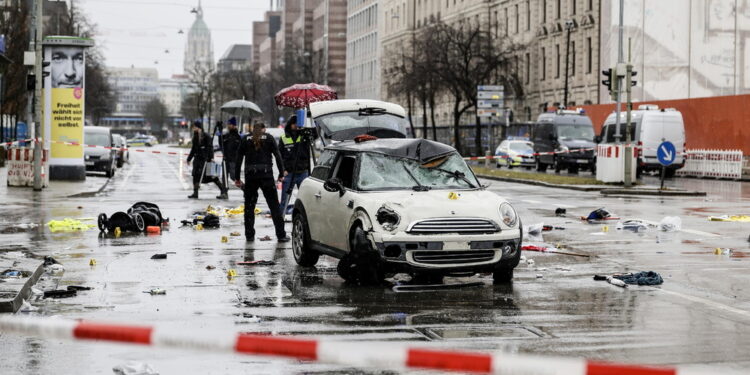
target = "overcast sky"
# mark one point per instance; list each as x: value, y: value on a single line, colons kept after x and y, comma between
x: 140, y: 32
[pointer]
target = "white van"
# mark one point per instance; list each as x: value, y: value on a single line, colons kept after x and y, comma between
x: 649, y: 127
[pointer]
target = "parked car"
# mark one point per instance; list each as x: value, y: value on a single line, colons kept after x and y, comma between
x: 141, y: 140
x: 515, y: 153
x: 123, y: 154
x: 386, y: 206
x: 99, y: 159
x: 570, y: 135
x: 649, y: 127
x: 340, y: 120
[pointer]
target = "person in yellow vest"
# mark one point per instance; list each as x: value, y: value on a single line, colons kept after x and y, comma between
x: 295, y: 150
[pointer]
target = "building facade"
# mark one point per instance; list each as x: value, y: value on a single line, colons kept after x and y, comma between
x: 363, y: 49
x: 537, y: 30
x: 238, y: 57
x: 199, y: 52
x: 134, y: 87
x: 172, y: 92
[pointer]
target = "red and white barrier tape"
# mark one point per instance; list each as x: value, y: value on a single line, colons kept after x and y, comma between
x: 118, y: 148
x: 357, y: 354
x: 14, y: 143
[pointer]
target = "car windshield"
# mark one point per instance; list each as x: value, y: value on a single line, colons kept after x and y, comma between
x: 579, y: 132
x: 521, y: 147
x: 610, y: 130
x: 363, y: 120
x: 97, y: 139
x: 380, y: 172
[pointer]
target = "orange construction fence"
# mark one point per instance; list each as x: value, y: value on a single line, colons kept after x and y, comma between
x: 721, y: 122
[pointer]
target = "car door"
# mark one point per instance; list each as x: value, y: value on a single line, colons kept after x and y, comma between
x: 311, y: 194
x: 338, y: 207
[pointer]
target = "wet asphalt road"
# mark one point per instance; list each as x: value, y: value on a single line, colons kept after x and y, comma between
x: 700, y: 316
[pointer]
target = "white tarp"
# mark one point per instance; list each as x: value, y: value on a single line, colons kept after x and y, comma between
x: 681, y: 48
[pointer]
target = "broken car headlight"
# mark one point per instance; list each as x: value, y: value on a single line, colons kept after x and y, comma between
x: 387, y: 218
x: 510, y: 218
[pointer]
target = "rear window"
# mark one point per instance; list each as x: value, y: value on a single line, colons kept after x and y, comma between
x: 609, y: 130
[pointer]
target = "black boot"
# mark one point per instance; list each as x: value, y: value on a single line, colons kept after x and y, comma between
x: 223, y: 195
x: 195, y: 192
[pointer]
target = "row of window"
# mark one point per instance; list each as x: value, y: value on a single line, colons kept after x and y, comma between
x: 353, y: 4
x: 364, y: 46
x: 362, y: 72
x: 560, y: 60
x: 572, y: 7
x: 364, y: 20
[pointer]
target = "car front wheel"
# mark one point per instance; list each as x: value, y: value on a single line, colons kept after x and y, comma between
x: 502, y: 276
x: 362, y: 264
x: 303, y: 255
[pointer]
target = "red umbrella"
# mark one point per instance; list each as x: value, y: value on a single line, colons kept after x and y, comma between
x: 302, y: 94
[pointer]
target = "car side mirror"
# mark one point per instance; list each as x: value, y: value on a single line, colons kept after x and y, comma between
x: 333, y: 185
x: 551, y: 137
x: 598, y: 139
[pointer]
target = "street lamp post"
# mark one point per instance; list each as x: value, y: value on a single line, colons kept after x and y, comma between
x: 569, y: 24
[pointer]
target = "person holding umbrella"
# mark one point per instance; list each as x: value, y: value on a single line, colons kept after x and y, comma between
x: 258, y: 151
x: 295, y: 149
x: 231, y: 143
x: 202, y: 151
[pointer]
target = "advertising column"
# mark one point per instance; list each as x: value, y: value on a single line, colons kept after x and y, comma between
x: 64, y: 99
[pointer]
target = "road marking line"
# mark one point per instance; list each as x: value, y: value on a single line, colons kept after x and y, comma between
x: 709, y: 303
x: 179, y: 175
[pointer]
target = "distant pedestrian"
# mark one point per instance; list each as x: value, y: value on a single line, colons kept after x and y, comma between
x: 202, y: 152
x: 295, y: 150
x: 231, y: 144
x: 258, y: 150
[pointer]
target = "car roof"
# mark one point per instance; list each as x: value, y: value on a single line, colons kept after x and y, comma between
x: 96, y: 129
x: 318, y: 109
x: 410, y: 148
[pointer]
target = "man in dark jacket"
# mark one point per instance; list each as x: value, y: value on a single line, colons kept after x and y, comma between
x: 295, y: 149
x: 202, y: 151
x: 232, y: 140
x: 258, y: 150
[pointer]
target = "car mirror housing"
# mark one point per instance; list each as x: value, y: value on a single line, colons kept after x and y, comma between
x: 333, y: 185
x: 598, y: 139
x: 552, y: 137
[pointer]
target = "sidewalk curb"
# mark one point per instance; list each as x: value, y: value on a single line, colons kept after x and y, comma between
x: 541, y: 183
x: 12, y: 305
x: 652, y: 192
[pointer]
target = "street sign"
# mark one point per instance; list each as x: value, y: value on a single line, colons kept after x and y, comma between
x: 666, y: 153
x: 490, y: 95
x: 489, y: 112
x: 490, y: 88
x: 491, y: 103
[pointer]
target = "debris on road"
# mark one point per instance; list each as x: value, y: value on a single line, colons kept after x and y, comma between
x: 633, y: 225
x: 134, y: 368
x: 55, y: 269
x: 69, y: 225
x: 722, y: 251
x: 92, y: 262
x: 641, y: 278
x: 153, y: 229
x: 210, y: 267
x: 139, y: 217
x: 611, y: 280
x: 231, y: 273
x: 60, y: 293
x: 599, y: 215
x: 224, y: 239
x: 27, y: 307
x: 15, y: 274
x: 560, y: 212
x: 235, y: 234
x: 156, y: 292
x: 78, y: 287
x: 553, y: 250
x: 159, y: 256
x: 257, y: 263
x: 265, y: 238
x: 48, y: 261
x: 734, y: 218
x: 670, y: 224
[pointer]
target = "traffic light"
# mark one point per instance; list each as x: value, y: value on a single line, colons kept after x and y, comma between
x: 608, y: 81
x: 633, y: 74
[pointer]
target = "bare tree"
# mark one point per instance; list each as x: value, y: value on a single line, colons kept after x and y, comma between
x: 155, y: 112
x: 14, y: 24
x: 200, y: 102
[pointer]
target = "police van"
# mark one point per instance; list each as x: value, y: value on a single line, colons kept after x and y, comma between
x: 649, y: 127
x: 564, y: 139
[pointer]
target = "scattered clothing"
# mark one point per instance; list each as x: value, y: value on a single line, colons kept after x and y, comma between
x: 641, y: 278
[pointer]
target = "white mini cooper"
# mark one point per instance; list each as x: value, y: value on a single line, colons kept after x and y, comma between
x: 385, y: 206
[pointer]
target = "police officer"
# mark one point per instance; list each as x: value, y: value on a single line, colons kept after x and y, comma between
x: 295, y: 150
x: 231, y: 143
x: 202, y: 151
x: 258, y: 149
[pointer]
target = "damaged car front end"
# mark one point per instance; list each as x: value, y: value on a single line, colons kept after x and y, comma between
x: 404, y: 206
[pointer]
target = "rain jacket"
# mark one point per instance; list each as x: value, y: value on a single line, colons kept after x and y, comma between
x: 297, y: 159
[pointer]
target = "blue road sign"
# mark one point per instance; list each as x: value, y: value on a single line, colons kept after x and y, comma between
x: 666, y: 153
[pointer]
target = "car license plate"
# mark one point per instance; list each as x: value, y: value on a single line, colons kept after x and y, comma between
x: 582, y: 161
x: 89, y: 163
x: 450, y: 245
